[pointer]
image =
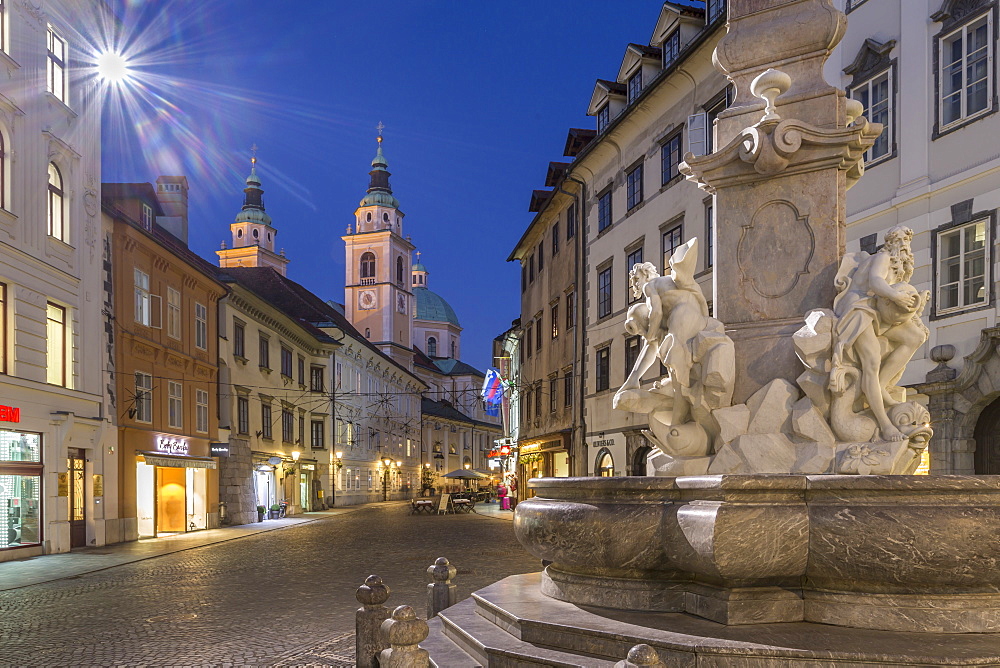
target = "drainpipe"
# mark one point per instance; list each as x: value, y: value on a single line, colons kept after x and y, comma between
x: 578, y: 337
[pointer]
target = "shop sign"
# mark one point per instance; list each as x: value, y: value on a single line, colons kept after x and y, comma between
x: 218, y: 449
x: 172, y: 445
x: 308, y: 467
x: 10, y: 414
x: 62, y: 484
x: 531, y: 447
x: 605, y: 443
x: 98, y: 484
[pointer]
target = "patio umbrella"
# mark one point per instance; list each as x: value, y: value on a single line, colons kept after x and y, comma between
x: 464, y: 474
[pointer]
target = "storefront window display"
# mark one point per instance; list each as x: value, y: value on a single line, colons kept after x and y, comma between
x: 20, y: 489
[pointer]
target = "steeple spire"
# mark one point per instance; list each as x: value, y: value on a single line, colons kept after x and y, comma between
x: 379, y: 190
x: 253, y: 233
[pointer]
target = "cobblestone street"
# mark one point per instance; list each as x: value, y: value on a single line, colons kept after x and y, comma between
x: 284, y: 597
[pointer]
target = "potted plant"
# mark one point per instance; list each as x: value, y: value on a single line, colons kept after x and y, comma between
x: 275, y: 511
x: 260, y: 513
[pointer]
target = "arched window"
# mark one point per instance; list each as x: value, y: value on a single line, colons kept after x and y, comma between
x: 57, y: 224
x: 368, y: 265
x: 432, y: 347
x: 453, y: 356
x: 399, y: 270
x: 368, y: 332
x: 605, y: 464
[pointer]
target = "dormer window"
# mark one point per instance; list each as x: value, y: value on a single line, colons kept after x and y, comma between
x: 603, y: 118
x: 147, y: 217
x: 715, y: 9
x: 671, y: 48
x: 634, y: 85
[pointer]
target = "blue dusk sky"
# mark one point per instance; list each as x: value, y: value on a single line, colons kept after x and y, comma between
x: 476, y: 98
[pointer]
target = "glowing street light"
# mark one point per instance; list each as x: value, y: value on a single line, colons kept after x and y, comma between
x: 112, y: 67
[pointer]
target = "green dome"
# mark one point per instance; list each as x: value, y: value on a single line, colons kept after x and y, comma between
x: 431, y: 306
x: 419, y: 267
x: 380, y: 198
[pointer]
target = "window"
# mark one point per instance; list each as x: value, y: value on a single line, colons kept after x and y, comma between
x: 713, y: 108
x: 962, y: 264
x: 671, y: 241
x: 286, y: 362
x: 555, y: 236
x: 876, y: 96
x: 528, y: 340
x: 541, y: 256
x: 201, y: 411
x: 853, y: 4
x: 538, y: 401
x: 709, y: 231
x: 316, y: 378
x: 55, y: 67
x: 634, y: 258
x: 57, y: 219
x: 571, y: 221
x: 635, y: 85
x: 555, y: 320
x: 524, y: 277
x: 634, y: 187
x: 239, y: 339
x: 671, y: 47
x: 399, y: 271
x: 56, y: 361
x: 531, y: 269
x: 604, y: 212
x: 147, y: 306
x: 175, y: 405
x: 632, y: 347
x: 147, y: 217
x: 265, y: 420
x: 603, y: 118
x: 670, y: 158
x: 143, y: 397
x: 539, y: 330
x: 966, y: 56
x: 20, y: 495
x: 242, y: 415
x: 173, y: 313
x: 368, y: 267
x: 432, y: 347
x: 302, y: 429
x: 200, y: 326
x: 553, y: 394
x: 3, y: 326
x: 603, y: 369
x: 264, y: 352
x: 567, y: 389
x: 570, y: 310
x: 316, y: 437
x: 716, y: 8
x: 604, y: 293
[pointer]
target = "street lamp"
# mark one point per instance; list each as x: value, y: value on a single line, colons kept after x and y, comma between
x: 339, y: 464
x: 385, y: 478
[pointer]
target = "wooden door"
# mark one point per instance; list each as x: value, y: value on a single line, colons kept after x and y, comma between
x: 75, y: 464
x: 987, y: 435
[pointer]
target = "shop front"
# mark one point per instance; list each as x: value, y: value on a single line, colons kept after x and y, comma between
x: 542, y: 459
x: 608, y: 455
x: 20, y: 490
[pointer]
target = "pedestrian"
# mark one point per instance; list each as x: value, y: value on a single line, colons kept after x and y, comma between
x: 513, y: 493
x: 502, y: 495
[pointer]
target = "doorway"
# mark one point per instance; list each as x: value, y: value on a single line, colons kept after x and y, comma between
x: 76, y: 464
x: 987, y: 436
x: 639, y: 461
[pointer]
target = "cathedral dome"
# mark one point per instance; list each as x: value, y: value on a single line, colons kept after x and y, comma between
x: 432, y: 306
x: 380, y: 198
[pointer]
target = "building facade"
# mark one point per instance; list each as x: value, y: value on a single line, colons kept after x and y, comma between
x: 56, y: 437
x: 165, y: 306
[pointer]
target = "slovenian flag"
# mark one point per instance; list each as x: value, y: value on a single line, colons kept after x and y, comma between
x: 492, y: 388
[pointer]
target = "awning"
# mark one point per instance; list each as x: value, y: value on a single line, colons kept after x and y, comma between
x: 176, y: 461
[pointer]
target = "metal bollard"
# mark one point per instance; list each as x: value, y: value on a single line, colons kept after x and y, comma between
x: 404, y: 633
x: 641, y: 656
x: 368, y: 639
x: 441, y: 592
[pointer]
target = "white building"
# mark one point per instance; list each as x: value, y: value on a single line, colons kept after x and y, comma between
x: 57, y: 455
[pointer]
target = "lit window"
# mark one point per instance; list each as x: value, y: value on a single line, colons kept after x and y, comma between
x: 147, y: 217
x: 876, y: 96
x: 604, y: 212
x: 672, y: 239
x: 56, y: 361
x: 175, y: 405
x: 201, y: 414
x: 143, y: 397
x: 670, y: 159
x: 603, y: 118
x: 200, y: 326
x: 966, y: 83
x: 603, y: 369
x: 173, y: 313
x: 555, y: 320
x: 633, y: 191
x: 604, y: 293
x: 57, y: 218
x: 56, y: 66
x: 963, y: 260
x: 634, y: 85
x: 671, y: 47
x: 634, y: 258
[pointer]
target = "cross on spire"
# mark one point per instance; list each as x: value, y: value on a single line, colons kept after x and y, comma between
x: 380, y: 127
x: 253, y: 149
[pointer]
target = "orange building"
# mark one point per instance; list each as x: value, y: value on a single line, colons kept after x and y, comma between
x: 165, y: 362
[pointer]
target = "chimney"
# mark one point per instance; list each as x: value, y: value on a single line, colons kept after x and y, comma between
x: 172, y: 193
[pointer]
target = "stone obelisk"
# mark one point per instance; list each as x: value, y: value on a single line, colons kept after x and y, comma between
x: 780, y: 182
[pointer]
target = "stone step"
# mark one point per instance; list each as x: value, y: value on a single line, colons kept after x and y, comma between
x: 444, y: 653
x: 492, y: 646
x: 515, y: 607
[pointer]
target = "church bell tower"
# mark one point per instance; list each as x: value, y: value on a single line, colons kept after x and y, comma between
x: 253, y: 234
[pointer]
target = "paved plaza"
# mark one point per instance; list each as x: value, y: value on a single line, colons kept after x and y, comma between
x: 278, y: 597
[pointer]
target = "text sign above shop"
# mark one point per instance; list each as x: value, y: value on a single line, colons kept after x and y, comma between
x: 172, y: 445
x: 10, y: 414
x: 218, y: 449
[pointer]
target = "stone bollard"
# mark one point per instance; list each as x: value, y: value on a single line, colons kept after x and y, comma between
x: 440, y: 593
x: 641, y: 656
x: 404, y: 633
x: 368, y: 622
